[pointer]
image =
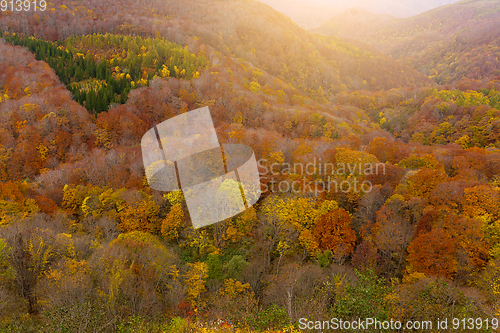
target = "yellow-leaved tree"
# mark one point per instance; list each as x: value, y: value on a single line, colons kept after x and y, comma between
x: 137, y: 272
x: 172, y: 224
x: 194, y: 280
x: 235, y: 301
x: 290, y: 221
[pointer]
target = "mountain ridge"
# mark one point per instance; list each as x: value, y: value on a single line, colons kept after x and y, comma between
x: 314, y: 13
x: 447, y: 43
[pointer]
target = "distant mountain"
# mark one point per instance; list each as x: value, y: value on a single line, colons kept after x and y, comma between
x: 355, y: 23
x: 446, y: 44
x: 307, y: 14
x: 311, y: 14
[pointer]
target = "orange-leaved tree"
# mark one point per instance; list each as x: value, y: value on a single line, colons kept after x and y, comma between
x: 432, y: 253
x: 333, y: 232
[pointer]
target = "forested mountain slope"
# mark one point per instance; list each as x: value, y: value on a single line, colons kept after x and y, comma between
x: 241, y: 29
x: 447, y: 43
x: 380, y: 188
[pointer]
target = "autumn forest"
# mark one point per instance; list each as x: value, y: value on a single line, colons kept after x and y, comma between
x: 86, y: 245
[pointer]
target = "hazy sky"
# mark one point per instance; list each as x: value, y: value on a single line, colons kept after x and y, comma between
x: 312, y: 13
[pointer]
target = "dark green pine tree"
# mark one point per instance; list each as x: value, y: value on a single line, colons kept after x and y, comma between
x: 102, y: 101
x: 83, y: 96
x: 79, y: 74
x: 90, y: 101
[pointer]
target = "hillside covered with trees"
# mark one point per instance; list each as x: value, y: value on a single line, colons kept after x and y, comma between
x: 87, y: 246
x: 452, y: 42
